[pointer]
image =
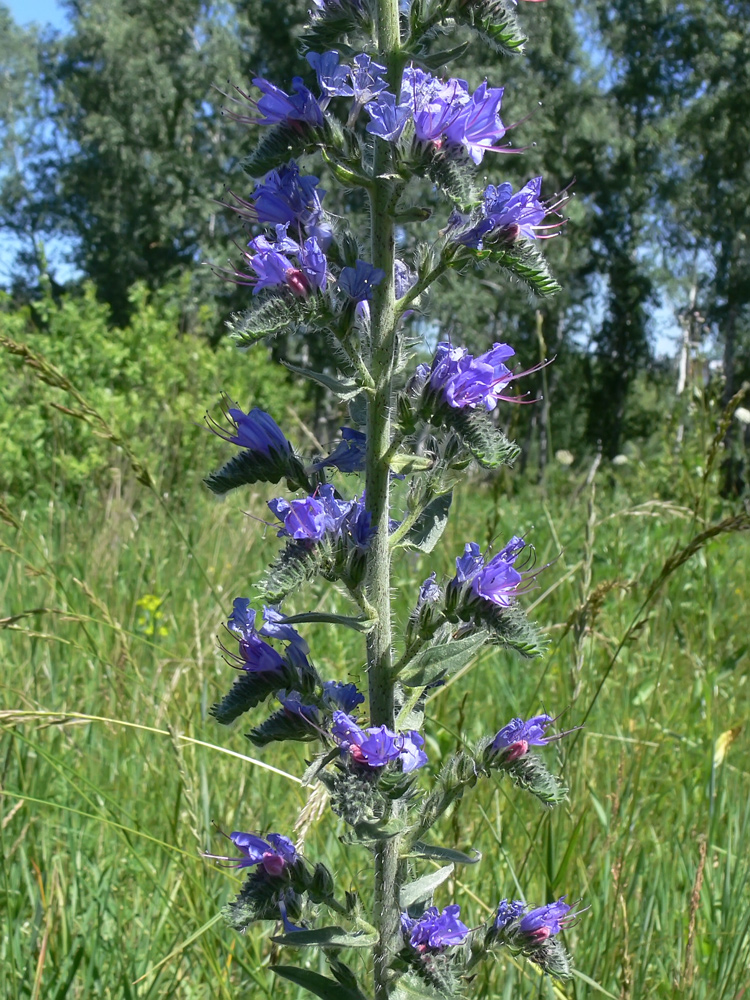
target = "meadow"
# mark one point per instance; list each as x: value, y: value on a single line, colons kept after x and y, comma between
x: 114, y: 778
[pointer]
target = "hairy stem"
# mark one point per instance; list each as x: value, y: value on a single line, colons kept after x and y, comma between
x: 383, y: 197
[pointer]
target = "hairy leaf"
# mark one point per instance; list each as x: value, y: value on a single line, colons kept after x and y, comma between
x: 343, y: 388
x: 421, y: 850
x: 319, y: 986
x: 422, y: 889
x: 329, y: 937
x: 249, y: 690
x: 444, y: 656
x: 426, y: 531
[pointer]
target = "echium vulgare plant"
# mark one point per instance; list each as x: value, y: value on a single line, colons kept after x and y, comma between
x: 380, y: 118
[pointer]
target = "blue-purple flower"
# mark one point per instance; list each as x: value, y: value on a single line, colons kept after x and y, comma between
x: 274, y: 853
x: 349, y: 454
x: 276, y: 107
x: 387, y: 117
x: 287, y: 197
x: 506, y: 216
x: 434, y: 930
x: 367, y: 79
x: 545, y: 921
x: 256, y: 431
x: 377, y: 746
x: 273, y: 267
x: 477, y: 126
x: 429, y: 592
x: 291, y: 702
x: 358, y: 282
x: 256, y: 655
x: 496, y: 581
x: 507, y: 912
x: 342, y: 696
x: 332, y: 75
x: 312, y: 518
x: 462, y: 381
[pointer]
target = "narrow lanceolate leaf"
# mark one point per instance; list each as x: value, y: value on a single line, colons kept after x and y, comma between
x: 487, y: 443
x: 422, y: 889
x: 329, y: 937
x: 344, y: 388
x: 319, y: 986
x: 443, y: 657
x: 324, y: 617
x: 249, y: 690
x: 421, y: 850
x: 430, y: 525
x: 253, y: 467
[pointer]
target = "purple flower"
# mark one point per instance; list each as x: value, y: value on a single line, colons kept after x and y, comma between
x: 275, y: 627
x: 545, y: 921
x: 287, y: 197
x: 515, y: 738
x: 305, y: 520
x: 273, y: 267
x: 478, y: 126
x: 469, y: 564
x: 434, y: 105
x: 412, y: 755
x: 332, y: 76
x: 507, y: 912
x: 388, y: 118
x: 367, y: 79
x: 506, y: 216
x: 349, y: 454
x: 342, y: 696
x: 277, y: 107
x: 460, y: 380
x: 434, y: 931
x: 378, y: 745
x: 255, y: 655
x: 274, y: 853
x: 292, y: 704
x: 256, y: 431
x: 359, y: 281
x: 429, y: 592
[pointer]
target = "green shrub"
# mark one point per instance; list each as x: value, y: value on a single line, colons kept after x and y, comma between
x: 149, y: 381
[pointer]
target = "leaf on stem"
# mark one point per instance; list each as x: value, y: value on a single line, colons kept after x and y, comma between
x: 443, y: 657
x: 319, y: 986
x: 343, y: 388
x: 421, y: 850
x: 330, y: 937
x: 422, y: 889
x: 426, y: 531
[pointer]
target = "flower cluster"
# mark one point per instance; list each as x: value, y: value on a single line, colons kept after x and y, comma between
x: 434, y: 930
x: 286, y: 197
x: 504, y: 216
x: 445, y: 114
x: 377, y: 746
x: 496, y: 582
x: 323, y: 515
x: 273, y: 854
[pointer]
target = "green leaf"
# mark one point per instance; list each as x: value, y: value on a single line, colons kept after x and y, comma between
x: 421, y: 850
x: 406, y: 464
x: 412, y: 987
x: 444, y: 657
x: 357, y: 624
x: 330, y: 937
x: 269, y: 314
x: 435, y: 60
x: 320, y: 986
x: 422, y: 889
x: 426, y: 531
x: 249, y: 690
x: 343, y: 388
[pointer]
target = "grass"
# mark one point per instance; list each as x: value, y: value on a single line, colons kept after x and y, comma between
x: 113, y: 774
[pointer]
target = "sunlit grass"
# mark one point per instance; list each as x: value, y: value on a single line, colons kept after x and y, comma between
x: 113, y: 775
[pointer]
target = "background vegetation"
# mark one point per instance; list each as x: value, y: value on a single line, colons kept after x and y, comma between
x: 116, y: 568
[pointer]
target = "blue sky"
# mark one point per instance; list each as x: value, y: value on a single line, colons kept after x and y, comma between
x: 41, y: 11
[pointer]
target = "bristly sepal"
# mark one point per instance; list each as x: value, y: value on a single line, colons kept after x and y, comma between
x: 250, y: 689
x: 345, y: 25
x: 279, y: 144
x: 295, y: 565
x: 486, y: 442
x: 273, y: 312
x: 283, y: 725
x: 530, y: 773
x: 520, y: 257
